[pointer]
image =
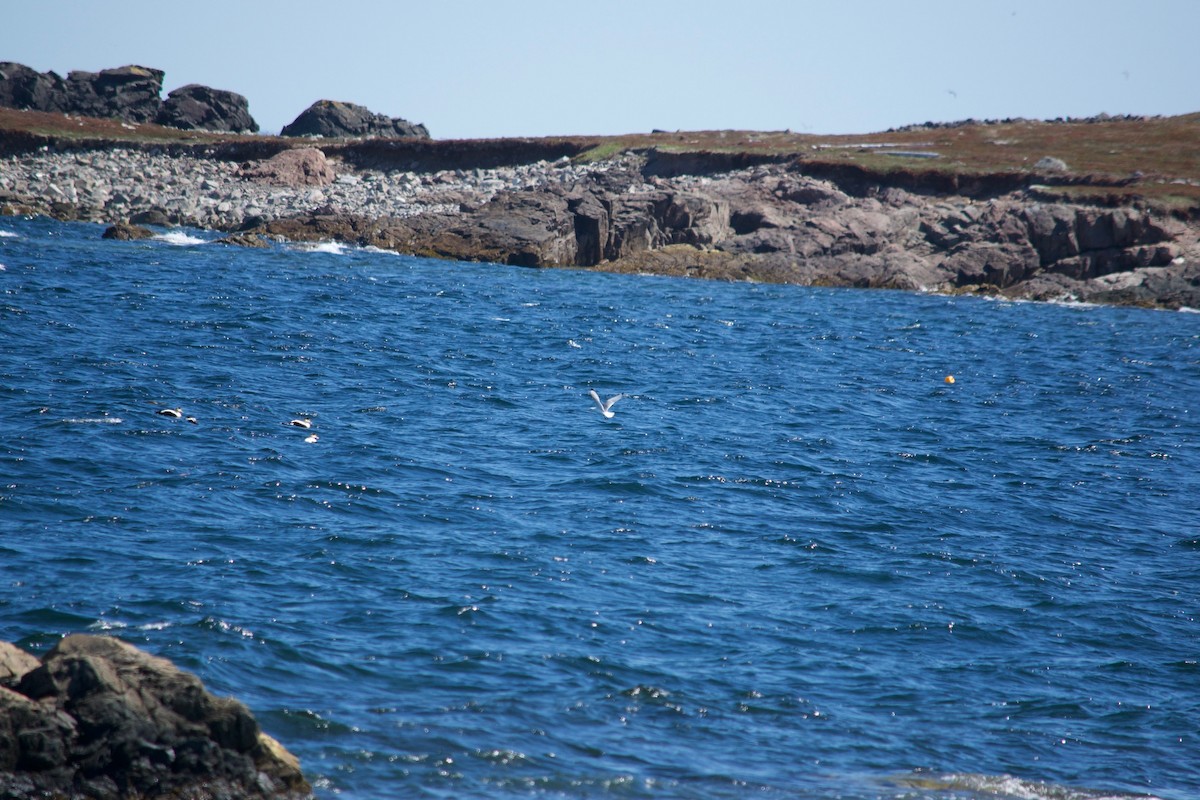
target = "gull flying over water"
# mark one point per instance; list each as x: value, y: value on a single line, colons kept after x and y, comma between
x: 606, y: 404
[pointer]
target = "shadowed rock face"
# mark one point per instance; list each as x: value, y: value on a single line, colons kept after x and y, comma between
x: 22, y: 87
x: 331, y: 118
x: 131, y: 93
x: 770, y: 223
x: 195, y: 107
x: 98, y: 718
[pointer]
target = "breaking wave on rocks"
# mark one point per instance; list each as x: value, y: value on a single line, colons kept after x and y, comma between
x: 329, y: 248
x: 180, y: 238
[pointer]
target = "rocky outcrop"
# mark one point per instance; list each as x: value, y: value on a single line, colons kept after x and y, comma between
x: 196, y: 107
x: 331, y: 118
x: 772, y: 223
x: 97, y: 718
x: 130, y: 93
x: 23, y: 87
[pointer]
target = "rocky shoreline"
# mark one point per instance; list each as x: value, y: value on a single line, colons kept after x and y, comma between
x: 702, y: 214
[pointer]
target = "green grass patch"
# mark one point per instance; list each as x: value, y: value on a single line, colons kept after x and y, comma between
x: 600, y: 152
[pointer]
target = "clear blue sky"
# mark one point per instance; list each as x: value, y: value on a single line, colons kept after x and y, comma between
x: 482, y: 68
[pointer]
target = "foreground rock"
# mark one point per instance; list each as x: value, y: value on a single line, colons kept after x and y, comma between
x: 330, y: 118
x: 97, y: 718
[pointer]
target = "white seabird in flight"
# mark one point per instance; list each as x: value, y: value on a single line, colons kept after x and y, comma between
x: 605, y: 405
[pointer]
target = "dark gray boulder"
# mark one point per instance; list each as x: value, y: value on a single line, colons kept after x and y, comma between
x: 102, y: 720
x: 26, y: 88
x: 153, y: 216
x: 196, y: 107
x: 331, y: 118
x: 251, y: 240
x: 125, y: 232
x: 131, y: 93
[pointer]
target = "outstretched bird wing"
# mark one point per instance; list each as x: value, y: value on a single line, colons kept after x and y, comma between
x: 604, y: 404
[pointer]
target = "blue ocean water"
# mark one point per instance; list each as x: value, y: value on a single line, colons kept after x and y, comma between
x: 796, y: 563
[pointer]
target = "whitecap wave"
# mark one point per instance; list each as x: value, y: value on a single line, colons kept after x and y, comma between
x: 94, y: 420
x: 333, y: 248
x: 1070, y: 301
x: 373, y: 249
x: 179, y: 238
x: 107, y: 625
x: 9, y: 235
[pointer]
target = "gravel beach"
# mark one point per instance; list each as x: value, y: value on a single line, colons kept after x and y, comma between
x: 119, y: 184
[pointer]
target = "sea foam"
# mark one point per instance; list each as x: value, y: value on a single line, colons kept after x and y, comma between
x: 333, y: 248
x: 179, y: 238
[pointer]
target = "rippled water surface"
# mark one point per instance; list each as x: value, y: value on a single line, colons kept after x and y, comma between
x: 797, y: 562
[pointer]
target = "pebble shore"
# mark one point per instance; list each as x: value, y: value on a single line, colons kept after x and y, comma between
x: 115, y: 185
